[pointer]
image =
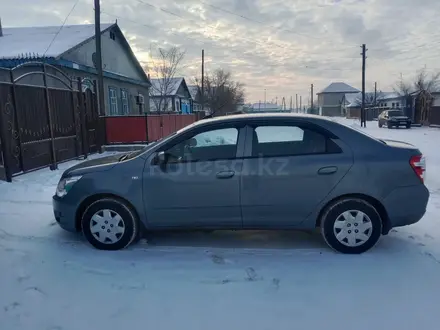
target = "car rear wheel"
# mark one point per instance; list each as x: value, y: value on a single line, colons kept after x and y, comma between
x: 109, y: 224
x: 389, y: 125
x: 379, y: 124
x: 408, y: 126
x: 351, y: 226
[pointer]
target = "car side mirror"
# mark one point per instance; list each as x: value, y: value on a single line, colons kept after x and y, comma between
x: 192, y: 142
x: 161, y: 158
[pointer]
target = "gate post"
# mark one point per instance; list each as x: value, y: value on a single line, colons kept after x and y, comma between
x: 102, y: 125
x: 4, y: 142
x: 75, y: 119
x: 54, y: 164
x: 15, y: 125
x: 84, y: 137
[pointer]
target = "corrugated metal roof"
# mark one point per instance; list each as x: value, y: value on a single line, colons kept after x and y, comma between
x: 339, y: 87
x: 20, y: 41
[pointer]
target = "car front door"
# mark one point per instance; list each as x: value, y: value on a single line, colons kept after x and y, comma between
x: 197, y: 185
x: 288, y: 169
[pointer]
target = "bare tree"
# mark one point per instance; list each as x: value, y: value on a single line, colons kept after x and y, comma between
x: 221, y: 93
x: 425, y: 85
x: 370, y: 99
x: 164, y: 69
x: 403, y: 89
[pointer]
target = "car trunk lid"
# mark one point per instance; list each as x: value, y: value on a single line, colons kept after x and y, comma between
x: 400, y: 144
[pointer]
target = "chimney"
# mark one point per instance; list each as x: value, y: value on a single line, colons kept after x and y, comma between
x: 1, y: 30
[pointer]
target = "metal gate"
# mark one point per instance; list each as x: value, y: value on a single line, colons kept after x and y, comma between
x: 44, y: 124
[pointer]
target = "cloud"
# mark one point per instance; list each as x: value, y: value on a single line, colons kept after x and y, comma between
x: 281, y: 46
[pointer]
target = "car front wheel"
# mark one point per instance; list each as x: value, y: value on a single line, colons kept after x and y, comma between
x: 351, y: 226
x: 109, y: 224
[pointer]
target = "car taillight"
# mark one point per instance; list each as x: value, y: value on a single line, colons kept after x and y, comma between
x: 419, y: 166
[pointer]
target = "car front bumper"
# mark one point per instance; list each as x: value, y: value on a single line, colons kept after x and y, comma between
x: 406, y: 205
x: 64, y: 214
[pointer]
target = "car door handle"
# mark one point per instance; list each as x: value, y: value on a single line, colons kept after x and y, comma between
x: 225, y: 174
x: 327, y: 170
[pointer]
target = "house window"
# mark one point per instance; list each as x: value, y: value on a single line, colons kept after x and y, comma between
x: 392, y: 105
x: 397, y: 105
x: 124, y: 102
x: 113, y: 101
x: 112, y: 35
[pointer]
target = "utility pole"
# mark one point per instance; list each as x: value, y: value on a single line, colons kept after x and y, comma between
x: 311, y: 98
x: 98, y: 63
x: 363, y: 114
x: 291, y: 103
x: 296, y: 105
x: 265, y: 98
x: 203, y: 80
x: 375, y: 93
x: 300, y: 103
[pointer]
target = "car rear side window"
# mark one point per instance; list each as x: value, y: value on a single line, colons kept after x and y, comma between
x: 272, y: 141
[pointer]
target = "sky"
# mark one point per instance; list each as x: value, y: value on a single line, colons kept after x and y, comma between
x: 281, y: 46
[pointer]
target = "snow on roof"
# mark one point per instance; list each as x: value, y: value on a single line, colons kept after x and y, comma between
x: 193, y: 90
x: 388, y: 95
x: 265, y: 106
x: 339, y: 87
x: 172, y: 89
x: 34, y: 40
x: 351, y: 99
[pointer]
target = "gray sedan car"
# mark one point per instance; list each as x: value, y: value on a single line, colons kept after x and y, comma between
x: 267, y: 171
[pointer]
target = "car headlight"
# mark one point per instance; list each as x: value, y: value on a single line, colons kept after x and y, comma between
x: 65, y: 185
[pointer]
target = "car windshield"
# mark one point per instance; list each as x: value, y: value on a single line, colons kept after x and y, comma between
x: 395, y: 113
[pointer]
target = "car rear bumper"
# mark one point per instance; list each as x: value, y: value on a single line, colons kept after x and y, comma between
x: 64, y: 214
x: 406, y: 205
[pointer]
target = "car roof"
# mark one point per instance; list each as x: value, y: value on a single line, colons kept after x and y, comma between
x: 253, y: 116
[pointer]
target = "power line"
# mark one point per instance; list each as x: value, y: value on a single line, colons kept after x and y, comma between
x: 262, y: 23
x: 215, y: 27
x: 192, y: 39
x: 59, y: 30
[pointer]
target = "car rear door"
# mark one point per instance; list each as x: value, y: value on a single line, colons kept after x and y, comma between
x: 200, y: 184
x: 288, y: 169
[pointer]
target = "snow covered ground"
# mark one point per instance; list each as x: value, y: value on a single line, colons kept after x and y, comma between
x: 51, y: 279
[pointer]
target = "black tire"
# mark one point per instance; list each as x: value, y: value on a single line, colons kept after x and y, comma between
x: 379, y: 124
x: 408, y: 126
x: 129, y: 219
x: 389, y: 125
x: 332, y: 213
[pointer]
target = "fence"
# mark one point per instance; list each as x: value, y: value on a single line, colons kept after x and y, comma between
x: 145, y: 128
x: 43, y: 126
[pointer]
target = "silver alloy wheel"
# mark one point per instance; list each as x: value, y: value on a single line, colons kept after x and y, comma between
x: 107, y: 226
x: 353, y: 228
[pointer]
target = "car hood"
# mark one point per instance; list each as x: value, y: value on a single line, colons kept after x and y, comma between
x: 93, y: 165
